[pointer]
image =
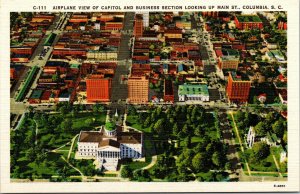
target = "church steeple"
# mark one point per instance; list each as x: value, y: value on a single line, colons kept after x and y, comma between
x: 116, y: 114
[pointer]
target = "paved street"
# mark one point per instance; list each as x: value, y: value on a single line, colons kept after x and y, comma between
x: 232, y: 154
x: 20, y: 107
x: 17, y: 107
x: 119, y: 90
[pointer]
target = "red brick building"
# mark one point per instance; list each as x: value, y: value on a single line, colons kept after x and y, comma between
x: 238, y: 88
x: 22, y: 50
x: 168, y: 91
x: 282, y: 25
x: 13, y: 73
x: 138, y: 25
x: 213, y: 14
x: 98, y: 88
x: 248, y: 22
x: 113, y: 25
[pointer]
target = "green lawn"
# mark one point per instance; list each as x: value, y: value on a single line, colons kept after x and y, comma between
x: 196, y: 139
x: 138, y: 165
x: 79, y: 122
x: 109, y: 175
x: 266, y: 165
x: 132, y: 122
x: 263, y: 174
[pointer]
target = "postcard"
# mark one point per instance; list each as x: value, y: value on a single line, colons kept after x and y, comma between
x: 139, y: 96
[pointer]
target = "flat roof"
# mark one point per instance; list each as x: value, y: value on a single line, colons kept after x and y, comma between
x: 36, y: 94
x: 191, y: 89
x: 168, y: 87
x: 239, y: 77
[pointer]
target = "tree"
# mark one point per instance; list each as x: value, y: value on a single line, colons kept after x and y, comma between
x: 199, y: 163
x: 277, y: 100
x: 30, y: 154
x: 185, y: 158
x: 66, y: 125
x: 255, y: 100
x: 217, y: 159
x: 89, y: 122
x: 74, y: 112
x: 30, y: 138
x: 101, y: 108
x: 284, y: 138
x: 36, y: 116
x: 185, y: 129
x: 131, y: 110
x: 260, y: 151
x: 96, y: 108
x: 240, y: 115
x: 147, y: 121
x: 228, y: 166
x: 126, y: 172
x: 261, y: 129
x: 198, y: 131
x: 159, y: 126
x: 30, y: 109
x: 278, y: 128
x: 270, y: 118
x: 187, y: 141
x: 141, y: 175
x: 63, y: 110
x: 175, y: 129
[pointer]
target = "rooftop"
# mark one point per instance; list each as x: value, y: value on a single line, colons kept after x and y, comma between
x: 228, y: 54
x: 238, y: 77
x: 101, y: 138
x: 190, y: 89
x: 36, y: 94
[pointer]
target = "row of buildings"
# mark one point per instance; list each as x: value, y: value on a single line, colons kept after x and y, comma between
x: 27, y: 34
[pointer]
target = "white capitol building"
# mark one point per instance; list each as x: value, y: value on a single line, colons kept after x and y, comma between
x: 109, y: 145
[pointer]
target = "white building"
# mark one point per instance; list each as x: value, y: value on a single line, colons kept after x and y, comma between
x: 97, y: 26
x: 193, y: 92
x: 283, y: 157
x: 109, y: 145
x: 251, y: 137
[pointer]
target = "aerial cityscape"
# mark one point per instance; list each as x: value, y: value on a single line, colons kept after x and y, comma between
x: 148, y: 96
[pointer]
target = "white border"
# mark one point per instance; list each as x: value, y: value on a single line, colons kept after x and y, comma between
x: 291, y: 6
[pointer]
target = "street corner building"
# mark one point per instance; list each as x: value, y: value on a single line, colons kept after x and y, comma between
x: 109, y: 145
x: 138, y: 89
x: 238, y: 87
x: 98, y: 88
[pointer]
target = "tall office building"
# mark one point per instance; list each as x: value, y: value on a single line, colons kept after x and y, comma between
x: 138, y: 89
x: 238, y: 88
x: 138, y: 25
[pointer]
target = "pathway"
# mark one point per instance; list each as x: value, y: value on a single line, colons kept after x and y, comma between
x: 82, y: 175
x: 240, y: 141
x: 36, y: 131
x: 277, y: 166
x: 107, y: 116
x: 124, y: 122
x: 71, y: 147
x: 152, y: 163
x: 60, y: 147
